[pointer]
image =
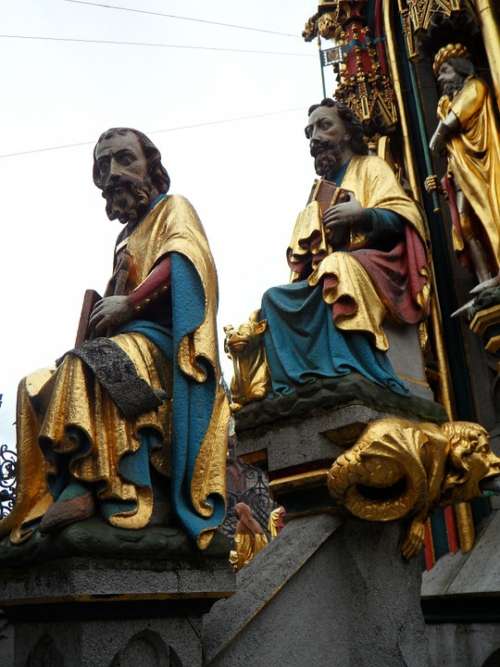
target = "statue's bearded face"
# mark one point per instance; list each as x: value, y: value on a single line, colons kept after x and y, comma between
x: 450, y: 82
x: 328, y: 139
x: 123, y: 172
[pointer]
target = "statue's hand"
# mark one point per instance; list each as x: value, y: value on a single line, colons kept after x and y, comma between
x: 110, y: 312
x: 414, y: 538
x: 432, y: 184
x: 347, y: 214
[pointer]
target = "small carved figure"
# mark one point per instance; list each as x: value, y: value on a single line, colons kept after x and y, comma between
x: 399, y: 468
x: 245, y: 346
x: 249, y: 538
x: 276, y: 521
x: 469, y: 132
x: 93, y: 433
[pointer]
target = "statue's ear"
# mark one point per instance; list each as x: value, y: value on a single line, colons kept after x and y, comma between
x: 260, y: 327
x: 228, y: 328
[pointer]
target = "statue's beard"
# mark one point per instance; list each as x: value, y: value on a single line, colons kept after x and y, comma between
x: 451, y: 88
x: 128, y: 199
x: 327, y: 158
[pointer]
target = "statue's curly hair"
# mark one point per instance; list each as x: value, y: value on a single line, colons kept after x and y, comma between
x: 464, y: 433
x: 351, y: 121
x: 467, y: 452
x: 157, y: 172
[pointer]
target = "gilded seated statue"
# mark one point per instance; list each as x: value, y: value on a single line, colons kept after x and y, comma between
x: 358, y: 260
x: 114, y: 419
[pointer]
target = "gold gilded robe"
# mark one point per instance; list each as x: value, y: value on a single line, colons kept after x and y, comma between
x: 50, y: 402
x: 474, y: 159
x: 375, y: 186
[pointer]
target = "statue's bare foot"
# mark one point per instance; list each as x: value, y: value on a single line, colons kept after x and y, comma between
x: 414, y: 539
x: 64, y: 512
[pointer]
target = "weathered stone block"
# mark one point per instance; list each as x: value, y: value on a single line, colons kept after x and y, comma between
x: 90, y: 612
x: 323, y: 593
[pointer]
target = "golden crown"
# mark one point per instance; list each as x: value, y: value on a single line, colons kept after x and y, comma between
x: 447, y: 52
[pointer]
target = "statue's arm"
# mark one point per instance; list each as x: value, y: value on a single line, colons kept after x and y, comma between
x: 464, y: 106
x: 446, y: 127
x: 379, y: 225
x: 155, y: 284
x: 113, y: 311
x: 385, y: 227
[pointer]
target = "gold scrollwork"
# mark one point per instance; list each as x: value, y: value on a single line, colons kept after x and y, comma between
x: 328, y: 20
x: 362, y: 85
x: 399, y: 468
x: 418, y: 16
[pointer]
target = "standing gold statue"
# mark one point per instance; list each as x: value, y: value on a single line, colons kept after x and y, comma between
x: 469, y: 131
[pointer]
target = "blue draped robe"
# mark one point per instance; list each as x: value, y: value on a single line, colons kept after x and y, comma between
x: 303, y: 343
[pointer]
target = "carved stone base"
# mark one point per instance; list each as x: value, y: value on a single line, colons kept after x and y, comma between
x: 332, y: 393
x: 95, y: 538
x: 113, y: 612
x: 297, y: 438
x: 323, y: 593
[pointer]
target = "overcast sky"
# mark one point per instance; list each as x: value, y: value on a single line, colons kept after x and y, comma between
x: 247, y: 179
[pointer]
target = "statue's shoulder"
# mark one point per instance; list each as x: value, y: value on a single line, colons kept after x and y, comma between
x: 473, y: 87
x: 477, y: 82
x: 180, y: 216
x: 177, y: 207
x: 177, y: 202
x: 372, y: 165
x: 372, y: 160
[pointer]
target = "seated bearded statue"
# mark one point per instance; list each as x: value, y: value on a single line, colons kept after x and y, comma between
x: 109, y: 432
x: 358, y: 261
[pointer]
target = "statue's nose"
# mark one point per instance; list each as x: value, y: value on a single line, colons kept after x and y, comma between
x: 114, y: 169
x: 112, y: 179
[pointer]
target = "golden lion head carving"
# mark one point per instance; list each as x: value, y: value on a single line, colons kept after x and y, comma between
x: 246, y: 337
x: 469, y: 462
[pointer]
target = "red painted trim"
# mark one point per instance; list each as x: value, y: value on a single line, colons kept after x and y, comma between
x: 379, y: 34
x: 451, y: 529
x: 429, y: 555
x: 158, y: 279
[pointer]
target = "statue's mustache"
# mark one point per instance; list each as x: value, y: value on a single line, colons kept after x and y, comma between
x: 122, y: 183
x: 318, y: 147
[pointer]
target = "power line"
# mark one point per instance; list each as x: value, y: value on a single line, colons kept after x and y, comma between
x: 159, y: 45
x: 181, y: 18
x: 46, y: 149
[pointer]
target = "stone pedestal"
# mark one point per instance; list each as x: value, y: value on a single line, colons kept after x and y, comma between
x: 330, y: 589
x: 325, y: 592
x: 296, y: 438
x: 87, y: 611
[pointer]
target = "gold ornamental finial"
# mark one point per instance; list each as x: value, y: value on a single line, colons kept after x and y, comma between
x: 447, y: 52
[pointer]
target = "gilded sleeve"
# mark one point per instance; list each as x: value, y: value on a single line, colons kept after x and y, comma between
x: 469, y: 100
